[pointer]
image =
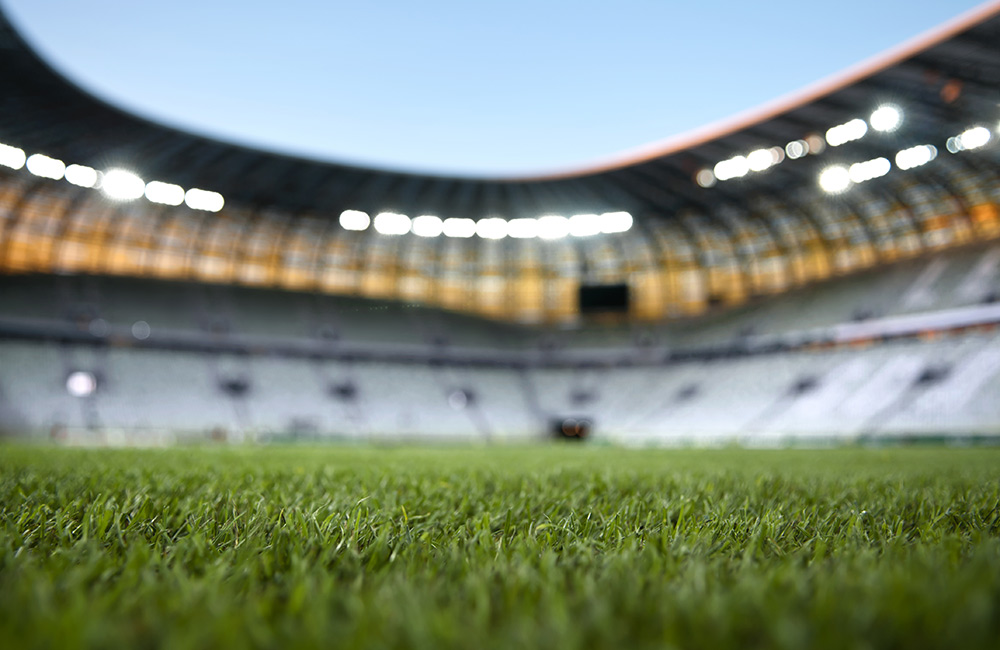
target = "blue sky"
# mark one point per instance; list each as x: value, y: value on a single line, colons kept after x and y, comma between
x: 457, y: 87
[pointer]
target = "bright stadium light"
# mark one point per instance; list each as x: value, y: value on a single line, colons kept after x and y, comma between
x: 427, y: 226
x: 459, y: 227
x: 164, y: 193
x: 835, y: 179
x: 392, y: 223
x: 865, y: 171
x: 584, y: 225
x: 886, y: 118
x: 522, y: 228
x: 81, y: 383
x: 760, y: 160
x: 735, y: 167
x: 974, y: 138
x: 354, y: 220
x: 121, y: 185
x: 11, y: 156
x: 613, y: 222
x: 916, y: 156
x: 797, y: 149
x: 46, y: 167
x: 553, y: 227
x: 491, y: 228
x: 847, y: 132
x: 705, y: 178
x: 82, y: 176
x: 204, y: 200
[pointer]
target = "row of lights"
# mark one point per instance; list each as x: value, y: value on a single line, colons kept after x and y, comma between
x: 838, y: 178
x: 116, y: 184
x: 122, y: 185
x: 885, y: 118
x: 547, y: 227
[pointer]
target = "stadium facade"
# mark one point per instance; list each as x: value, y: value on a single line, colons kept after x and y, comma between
x: 822, y: 268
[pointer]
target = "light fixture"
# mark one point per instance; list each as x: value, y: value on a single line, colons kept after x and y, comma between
x: 41, y: 165
x: 392, y: 223
x: 734, y: 167
x: 522, y: 228
x: 584, y: 225
x: 869, y: 169
x: 11, y: 156
x: 847, y: 132
x: 916, y: 156
x: 197, y: 199
x: 82, y: 176
x: 427, y: 226
x: 459, y: 227
x: 886, y: 118
x: 164, y: 193
x: 553, y: 227
x: 614, y: 222
x: 122, y: 185
x: 354, y: 220
x: 835, y: 179
x: 491, y: 228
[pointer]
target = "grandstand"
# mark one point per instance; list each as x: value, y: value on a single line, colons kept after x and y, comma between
x: 824, y: 269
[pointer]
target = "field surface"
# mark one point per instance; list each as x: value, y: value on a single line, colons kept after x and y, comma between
x: 549, y: 547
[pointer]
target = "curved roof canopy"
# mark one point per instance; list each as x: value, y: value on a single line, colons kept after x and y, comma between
x: 942, y: 83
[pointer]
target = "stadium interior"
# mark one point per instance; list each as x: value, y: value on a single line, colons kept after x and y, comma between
x: 827, y: 270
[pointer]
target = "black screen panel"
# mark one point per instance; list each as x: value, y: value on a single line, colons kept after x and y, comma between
x: 603, y: 298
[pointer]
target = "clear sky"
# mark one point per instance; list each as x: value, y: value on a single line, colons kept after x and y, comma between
x: 451, y: 86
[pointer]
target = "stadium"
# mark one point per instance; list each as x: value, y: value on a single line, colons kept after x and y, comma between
x: 821, y: 272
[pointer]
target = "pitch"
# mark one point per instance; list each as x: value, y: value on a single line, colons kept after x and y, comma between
x: 548, y: 546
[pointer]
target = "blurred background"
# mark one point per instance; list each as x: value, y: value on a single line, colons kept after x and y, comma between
x: 329, y: 223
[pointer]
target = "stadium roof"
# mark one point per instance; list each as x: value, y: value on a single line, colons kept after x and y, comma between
x: 942, y: 83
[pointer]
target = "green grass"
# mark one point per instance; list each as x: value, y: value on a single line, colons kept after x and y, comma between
x: 553, y: 547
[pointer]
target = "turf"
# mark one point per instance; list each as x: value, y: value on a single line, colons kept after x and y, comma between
x: 555, y: 547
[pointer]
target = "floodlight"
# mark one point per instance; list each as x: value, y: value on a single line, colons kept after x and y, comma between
x: 203, y: 200
x: 553, y: 227
x: 522, y: 228
x: 11, y: 156
x: 975, y: 137
x: 46, y: 167
x: 865, y: 171
x: 391, y: 223
x: 916, y: 156
x: 427, y: 226
x: 584, y: 225
x: 82, y: 176
x: 81, y: 383
x: 613, y: 222
x: 354, y: 220
x: 886, y: 118
x: 121, y: 185
x: 164, y: 193
x: 760, y: 160
x: 491, y: 228
x: 835, y: 179
x: 847, y: 132
x: 733, y: 168
x: 459, y: 227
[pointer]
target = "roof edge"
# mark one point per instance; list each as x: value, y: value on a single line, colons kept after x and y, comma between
x: 773, y: 108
